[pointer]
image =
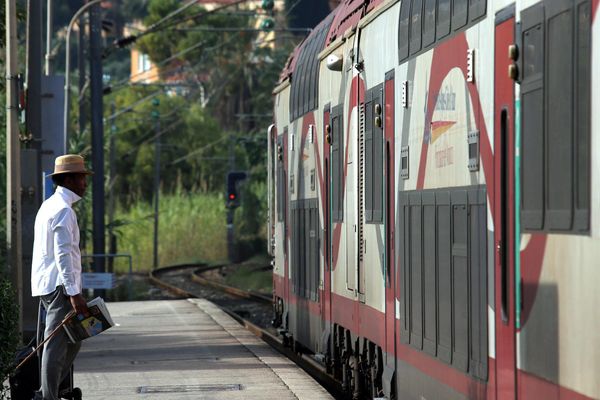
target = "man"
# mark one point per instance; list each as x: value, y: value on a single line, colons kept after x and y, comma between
x: 56, y: 268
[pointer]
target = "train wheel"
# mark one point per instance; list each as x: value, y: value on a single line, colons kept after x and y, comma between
x: 355, y: 377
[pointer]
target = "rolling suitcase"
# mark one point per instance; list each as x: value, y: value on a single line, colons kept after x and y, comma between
x: 26, y: 380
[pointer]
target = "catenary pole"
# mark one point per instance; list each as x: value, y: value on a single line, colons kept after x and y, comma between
x: 13, y: 160
x: 82, y: 73
x: 49, y: 18
x: 112, y: 239
x: 34, y: 75
x: 97, y: 138
x: 156, y: 115
x: 68, y: 68
x: 31, y: 175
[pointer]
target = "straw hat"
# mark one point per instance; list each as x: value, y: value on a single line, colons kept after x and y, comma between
x: 69, y: 164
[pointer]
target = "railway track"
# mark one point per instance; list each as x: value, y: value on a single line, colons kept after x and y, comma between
x: 253, y: 310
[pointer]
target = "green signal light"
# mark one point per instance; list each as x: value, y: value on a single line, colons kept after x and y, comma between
x: 267, y: 25
x: 268, y: 5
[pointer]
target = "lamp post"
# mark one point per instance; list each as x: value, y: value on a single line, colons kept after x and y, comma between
x: 67, y: 68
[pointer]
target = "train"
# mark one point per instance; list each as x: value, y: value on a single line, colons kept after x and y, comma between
x: 434, y: 198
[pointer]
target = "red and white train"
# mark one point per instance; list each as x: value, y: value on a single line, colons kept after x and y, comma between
x: 434, y: 175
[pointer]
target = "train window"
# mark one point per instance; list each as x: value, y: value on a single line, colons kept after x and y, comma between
x: 429, y: 276
x: 532, y: 102
x: 378, y: 159
x: 281, y: 184
x: 443, y: 273
x: 305, y: 89
x: 300, y: 81
x: 415, y: 273
x: 443, y: 250
x: 582, y: 117
x: 337, y: 163
x: 403, y: 30
x: 415, y: 26
x: 460, y: 281
x: 555, y: 145
x: 313, y: 66
x: 476, y: 9
x: 305, y: 271
x: 478, y: 289
x: 459, y: 14
x: 559, y: 161
x: 309, y: 78
x: 373, y: 155
x: 422, y: 23
x: 429, y: 23
x: 367, y: 109
x: 443, y: 18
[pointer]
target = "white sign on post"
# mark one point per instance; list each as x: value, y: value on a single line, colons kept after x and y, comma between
x: 97, y: 280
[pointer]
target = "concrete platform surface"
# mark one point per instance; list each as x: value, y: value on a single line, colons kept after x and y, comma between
x: 185, y: 349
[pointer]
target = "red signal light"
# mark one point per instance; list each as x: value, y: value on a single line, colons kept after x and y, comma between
x: 231, y: 196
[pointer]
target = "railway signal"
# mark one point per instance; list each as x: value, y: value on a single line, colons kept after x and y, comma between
x: 268, y: 23
x: 232, y: 199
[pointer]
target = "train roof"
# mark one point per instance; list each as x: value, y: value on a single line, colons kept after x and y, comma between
x: 345, y: 16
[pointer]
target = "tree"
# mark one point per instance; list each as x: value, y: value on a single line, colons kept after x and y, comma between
x: 237, y: 68
x: 191, y: 144
x: 9, y: 331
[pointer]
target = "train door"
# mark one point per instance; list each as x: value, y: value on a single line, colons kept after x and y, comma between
x: 272, y: 138
x: 503, y: 208
x: 349, y: 162
x: 390, y: 216
x: 326, y: 196
x: 282, y: 210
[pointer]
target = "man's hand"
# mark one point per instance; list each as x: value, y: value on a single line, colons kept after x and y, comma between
x: 79, y: 305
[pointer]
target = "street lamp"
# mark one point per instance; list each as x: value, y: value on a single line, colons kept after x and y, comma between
x: 67, y: 67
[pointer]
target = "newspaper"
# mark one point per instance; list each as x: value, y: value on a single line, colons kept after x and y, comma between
x: 79, y: 328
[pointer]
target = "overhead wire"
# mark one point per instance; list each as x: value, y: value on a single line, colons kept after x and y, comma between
x: 122, y: 42
x: 198, y: 151
x: 192, y: 68
x: 124, y: 81
x: 127, y: 81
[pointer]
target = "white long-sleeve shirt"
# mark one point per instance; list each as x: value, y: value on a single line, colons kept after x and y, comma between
x: 56, y: 258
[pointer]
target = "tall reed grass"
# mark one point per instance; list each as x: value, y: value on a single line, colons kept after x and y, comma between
x: 191, y: 228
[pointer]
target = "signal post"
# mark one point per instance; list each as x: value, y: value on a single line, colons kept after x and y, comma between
x: 232, y: 201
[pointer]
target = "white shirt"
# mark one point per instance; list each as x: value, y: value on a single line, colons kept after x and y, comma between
x: 56, y: 258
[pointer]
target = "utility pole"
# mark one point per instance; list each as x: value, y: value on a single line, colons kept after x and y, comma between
x: 97, y: 137
x: 31, y: 173
x: 49, y: 18
x: 13, y: 171
x: 112, y: 239
x: 156, y: 116
x: 231, y: 211
x: 82, y: 72
x: 34, y: 72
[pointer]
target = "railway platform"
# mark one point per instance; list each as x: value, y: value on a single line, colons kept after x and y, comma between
x: 185, y: 349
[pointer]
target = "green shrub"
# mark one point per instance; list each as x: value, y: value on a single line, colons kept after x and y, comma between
x: 9, y: 332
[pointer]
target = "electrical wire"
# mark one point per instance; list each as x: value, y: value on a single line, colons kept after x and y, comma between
x: 197, y: 151
x: 156, y: 27
x: 127, y: 81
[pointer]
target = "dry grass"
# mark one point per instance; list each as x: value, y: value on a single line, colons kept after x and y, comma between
x: 191, y: 228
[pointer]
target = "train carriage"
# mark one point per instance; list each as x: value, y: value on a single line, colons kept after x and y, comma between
x: 434, y: 201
